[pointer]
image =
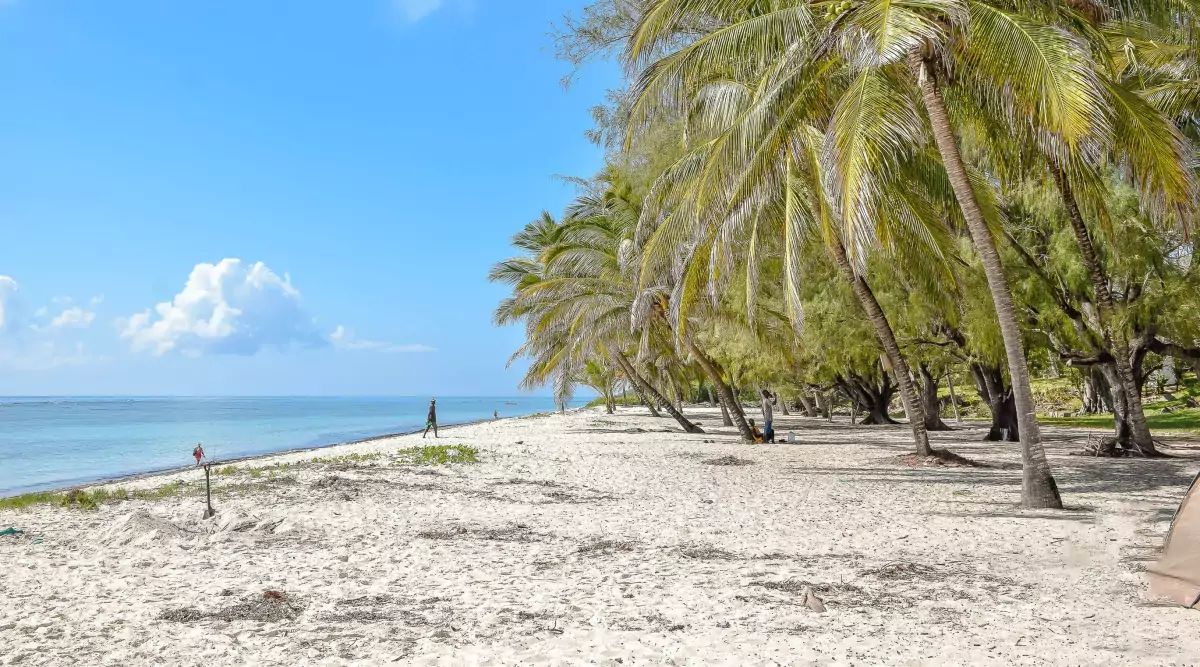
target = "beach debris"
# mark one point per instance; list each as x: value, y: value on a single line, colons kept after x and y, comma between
x: 271, y: 606
x: 812, y: 601
x: 411, y: 612
x: 728, y: 460
x: 603, y: 547
x: 346, y: 489
x: 939, y: 458
x: 514, y: 533
x: 141, y: 528
x: 513, y: 481
x: 1109, y: 447
x: 706, y: 552
x: 551, y: 497
x: 11, y: 532
x: 237, y: 523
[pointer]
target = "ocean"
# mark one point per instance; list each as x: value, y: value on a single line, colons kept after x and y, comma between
x: 55, y: 442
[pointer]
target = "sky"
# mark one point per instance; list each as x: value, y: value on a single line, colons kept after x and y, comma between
x: 209, y: 197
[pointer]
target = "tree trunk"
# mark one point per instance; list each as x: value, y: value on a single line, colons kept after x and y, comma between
x: 637, y: 389
x: 649, y: 389
x: 636, y: 381
x: 1038, y: 488
x: 1114, y: 336
x: 726, y: 420
x: 869, y: 397
x: 953, y: 396
x: 1122, y: 424
x: 887, y: 339
x: 783, y: 407
x: 678, y: 393
x: 929, y: 401
x: 989, y: 382
x: 807, y: 407
x: 729, y: 403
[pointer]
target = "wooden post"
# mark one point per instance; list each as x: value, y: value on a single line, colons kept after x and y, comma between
x: 209, y: 512
x: 953, y: 399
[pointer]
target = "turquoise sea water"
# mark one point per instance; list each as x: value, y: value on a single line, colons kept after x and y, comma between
x: 53, y: 442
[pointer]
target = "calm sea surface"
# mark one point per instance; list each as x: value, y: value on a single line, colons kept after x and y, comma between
x: 54, y: 442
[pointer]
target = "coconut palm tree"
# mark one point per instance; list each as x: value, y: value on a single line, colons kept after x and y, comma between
x: 903, y: 56
x: 570, y: 292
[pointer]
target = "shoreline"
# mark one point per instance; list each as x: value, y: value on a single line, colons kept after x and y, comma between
x: 165, y: 472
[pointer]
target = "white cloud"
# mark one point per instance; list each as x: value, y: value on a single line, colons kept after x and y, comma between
x: 23, y: 343
x: 225, y: 308
x: 415, y: 10
x: 344, y: 339
x: 73, y: 318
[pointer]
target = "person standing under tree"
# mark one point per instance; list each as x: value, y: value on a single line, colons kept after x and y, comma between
x: 768, y: 411
x: 431, y: 419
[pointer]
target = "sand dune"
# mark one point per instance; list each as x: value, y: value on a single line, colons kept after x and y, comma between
x: 579, y: 539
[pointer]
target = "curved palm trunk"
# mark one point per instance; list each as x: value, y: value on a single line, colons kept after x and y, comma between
x: 654, y: 393
x: 1038, y: 488
x: 729, y: 403
x: 726, y: 420
x: 635, y: 381
x: 887, y: 338
x: 1117, y: 341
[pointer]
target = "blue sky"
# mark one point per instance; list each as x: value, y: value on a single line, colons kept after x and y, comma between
x: 226, y: 197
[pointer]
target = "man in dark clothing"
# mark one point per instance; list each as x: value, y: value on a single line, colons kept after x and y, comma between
x: 431, y: 419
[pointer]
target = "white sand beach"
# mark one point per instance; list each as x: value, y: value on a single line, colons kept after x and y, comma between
x: 587, y: 538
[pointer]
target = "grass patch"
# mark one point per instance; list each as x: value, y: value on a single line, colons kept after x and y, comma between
x: 1186, y: 421
x: 27, y: 500
x: 438, y: 455
x: 433, y: 455
x: 348, y: 459
x: 623, y: 401
x: 90, y: 500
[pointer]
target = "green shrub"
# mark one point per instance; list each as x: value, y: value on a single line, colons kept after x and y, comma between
x: 438, y: 455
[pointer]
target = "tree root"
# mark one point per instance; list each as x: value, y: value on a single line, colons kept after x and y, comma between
x: 937, y: 457
x: 1112, y: 448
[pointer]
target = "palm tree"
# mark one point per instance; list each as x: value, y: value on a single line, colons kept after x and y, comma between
x: 575, y: 302
x: 758, y: 170
x: 900, y: 54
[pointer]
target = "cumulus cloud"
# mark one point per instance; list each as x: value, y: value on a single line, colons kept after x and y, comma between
x: 415, y: 10
x: 344, y: 339
x: 73, y: 318
x: 225, y: 308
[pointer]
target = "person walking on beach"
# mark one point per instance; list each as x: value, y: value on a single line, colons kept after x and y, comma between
x: 431, y: 419
x: 768, y: 412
